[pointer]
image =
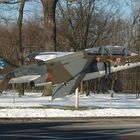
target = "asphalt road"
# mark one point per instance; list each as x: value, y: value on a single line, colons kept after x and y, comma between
x: 71, y: 129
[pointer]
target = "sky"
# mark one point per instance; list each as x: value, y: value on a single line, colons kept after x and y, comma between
x: 34, y: 8
x: 125, y: 6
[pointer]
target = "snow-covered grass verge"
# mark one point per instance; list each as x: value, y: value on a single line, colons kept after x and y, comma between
x: 41, y: 113
x: 95, y: 105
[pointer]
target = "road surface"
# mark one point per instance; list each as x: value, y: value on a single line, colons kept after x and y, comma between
x: 71, y: 129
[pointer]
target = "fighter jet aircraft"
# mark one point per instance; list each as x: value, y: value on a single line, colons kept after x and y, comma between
x: 67, y: 71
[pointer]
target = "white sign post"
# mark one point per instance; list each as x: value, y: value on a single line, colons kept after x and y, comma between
x: 14, y: 100
x: 76, y: 99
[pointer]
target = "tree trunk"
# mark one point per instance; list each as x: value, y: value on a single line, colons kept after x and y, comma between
x: 19, y: 33
x: 49, y: 7
x: 19, y: 42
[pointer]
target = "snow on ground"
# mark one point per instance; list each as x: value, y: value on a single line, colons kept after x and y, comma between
x: 95, y: 105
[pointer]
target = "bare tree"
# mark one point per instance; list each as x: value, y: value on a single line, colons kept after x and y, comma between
x: 84, y: 25
x: 19, y: 42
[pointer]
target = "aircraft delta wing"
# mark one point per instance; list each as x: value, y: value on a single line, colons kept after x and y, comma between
x: 45, y: 56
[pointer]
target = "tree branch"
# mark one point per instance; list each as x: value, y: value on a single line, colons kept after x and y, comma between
x: 10, y: 2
